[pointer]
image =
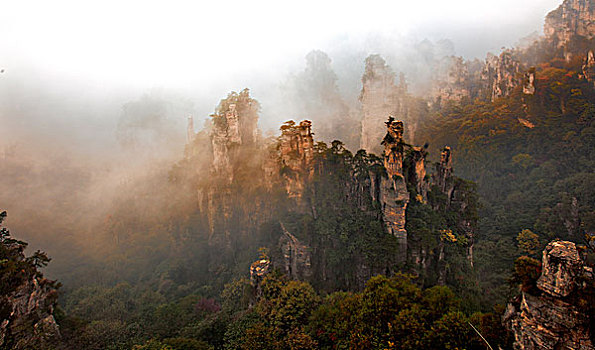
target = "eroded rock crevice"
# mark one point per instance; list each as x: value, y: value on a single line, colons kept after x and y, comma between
x: 558, y: 313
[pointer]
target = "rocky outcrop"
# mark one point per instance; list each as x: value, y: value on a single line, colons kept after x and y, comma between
x: 458, y: 198
x: 234, y: 124
x: 529, y: 82
x: 30, y: 322
x: 296, y: 256
x: 380, y: 96
x: 394, y: 195
x: 572, y: 19
x: 221, y: 155
x: 296, y: 148
x: 234, y: 138
x: 559, y: 314
x: 27, y: 300
x: 500, y: 74
x: 443, y: 177
x: 589, y: 68
x: 415, y: 173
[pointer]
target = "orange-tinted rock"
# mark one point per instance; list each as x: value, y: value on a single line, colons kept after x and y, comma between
x: 529, y: 82
x: 297, y: 154
x: 501, y: 74
x: 589, y: 68
x: 571, y: 19
x: 394, y: 195
x: 417, y: 171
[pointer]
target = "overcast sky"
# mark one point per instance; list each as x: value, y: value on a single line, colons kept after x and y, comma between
x: 194, y: 43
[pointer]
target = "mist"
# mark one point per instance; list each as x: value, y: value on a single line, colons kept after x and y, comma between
x: 94, y: 99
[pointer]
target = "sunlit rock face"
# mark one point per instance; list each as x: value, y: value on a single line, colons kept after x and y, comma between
x: 394, y: 196
x: 529, y: 82
x: 571, y: 19
x: 416, y: 171
x: 500, y: 74
x: 380, y: 97
x: 560, y: 314
x: 297, y: 154
x: 589, y: 68
x: 26, y: 313
x: 219, y: 139
x: 234, y: 124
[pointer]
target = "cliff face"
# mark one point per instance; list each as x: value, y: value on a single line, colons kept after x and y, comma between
x: 589, y: 68
x: 394, y: 195
x: 500, y: 74
x: 443, y: 177
x: 497, y: 76
x: 235, y: 192
x: 529, y: 82
x: 380, y: 97
x: 27, y: 300
x: 415, y: 172
x: 458, y: 199
x: 559, y: 314
x: 296, y: 256
x: 235, y: 124
x: 29, y: 321
x: 572, y: 19
x: 296, y: 150
x: 252, y: 184
x: 234, y: 139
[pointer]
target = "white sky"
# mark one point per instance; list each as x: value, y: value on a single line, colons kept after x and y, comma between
x: 186, y: 43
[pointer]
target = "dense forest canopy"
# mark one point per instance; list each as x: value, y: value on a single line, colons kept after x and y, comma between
x: 428, y: 212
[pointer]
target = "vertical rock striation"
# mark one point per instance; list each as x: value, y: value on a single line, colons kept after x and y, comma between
x: 560, y: 313
x: 416, y: 172
x: 296, y: 256
x: 443, y: 175
x: 234, y: 138
x: 500, y: 74
x: 572, y: 19
x: 27, y: 300
x: 296, y: 149
x: 529, y: 82
x: 394, y: 195
x: 459, y: 198
x: 589, y: 68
